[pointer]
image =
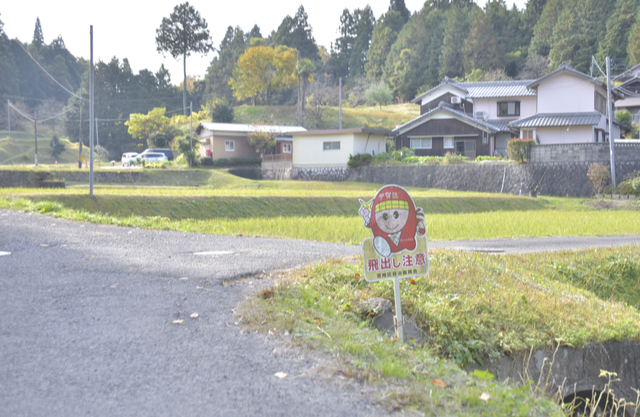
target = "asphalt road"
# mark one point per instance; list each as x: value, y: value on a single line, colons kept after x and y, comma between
x: 87, y: 322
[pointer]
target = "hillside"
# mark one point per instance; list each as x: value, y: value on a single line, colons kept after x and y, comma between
x: 20, y: 149
x: 385, y: 117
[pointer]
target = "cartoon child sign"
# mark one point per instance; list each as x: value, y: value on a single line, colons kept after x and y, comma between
x: 398, y: 248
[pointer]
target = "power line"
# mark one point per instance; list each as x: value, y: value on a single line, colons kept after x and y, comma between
x: 45, y: 71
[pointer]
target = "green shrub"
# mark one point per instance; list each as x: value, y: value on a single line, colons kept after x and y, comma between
x: 451, y: 158
x: 518, y: 149
x: 359, y: 160
x: 208, y: 162
x: 489, y: 158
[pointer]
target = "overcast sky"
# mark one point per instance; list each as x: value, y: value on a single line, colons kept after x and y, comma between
x: 127, y: 29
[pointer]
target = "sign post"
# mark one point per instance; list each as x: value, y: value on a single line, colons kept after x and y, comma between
x: 398, y: 248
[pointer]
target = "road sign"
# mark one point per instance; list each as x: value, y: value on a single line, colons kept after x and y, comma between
x: 398, y: 248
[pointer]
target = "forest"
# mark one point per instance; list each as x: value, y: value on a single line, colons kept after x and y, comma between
x: 389, y: 58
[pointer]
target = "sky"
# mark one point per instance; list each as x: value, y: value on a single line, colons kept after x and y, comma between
x: 127, y: 29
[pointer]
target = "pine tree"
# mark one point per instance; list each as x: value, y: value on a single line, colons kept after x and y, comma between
x: 633, y: 48
x: 455, y: 33
x: 297, y: 33
x: 38, y: 38
x: 221, y: 68
x: 543, y: 30
x: 481, y: 49
x: 364, y: 29
x: 618, y: 26
x: 385, y: 33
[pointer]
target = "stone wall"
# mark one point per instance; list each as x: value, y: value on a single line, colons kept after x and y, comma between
x: 584, y: 152
x: 557, y: 179
x: 322, y: 174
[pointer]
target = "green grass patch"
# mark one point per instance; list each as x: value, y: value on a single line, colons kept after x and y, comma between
x: 322, y: 211
x: 471, y: 307
x: 19, y: 149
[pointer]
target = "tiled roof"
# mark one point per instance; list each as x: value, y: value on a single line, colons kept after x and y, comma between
x: 502, y: 125
x: 496, y: 89
x: 442, y: 106
x: 558, y: 119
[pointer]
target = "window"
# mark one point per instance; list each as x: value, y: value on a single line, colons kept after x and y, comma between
x: 600, y: 103
x: 330, y: 146
x: 230, y: 146
x: 470, y: 146
x: 509, y: 108
x: 421, y: 143
x: 527, y: 134
x: 286, y: 148
x: 448, y: 143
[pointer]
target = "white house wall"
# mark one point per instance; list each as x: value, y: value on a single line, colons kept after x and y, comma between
x: 560, y: 135
x: 308, y: 150
x: 567, y: 94
x: 370, y: 143
x: 490, y: 106
x: 441, y: 92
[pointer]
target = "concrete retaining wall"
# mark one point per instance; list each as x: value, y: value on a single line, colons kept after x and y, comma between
x: 10, y: 178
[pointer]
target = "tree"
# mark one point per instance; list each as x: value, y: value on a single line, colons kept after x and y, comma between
x: 385, y: 33
x: 633, y: 48
x: 143, y: 126
x: 455, y: 33
x: 338, y: 65
x: 296, y: 33
x: 38, y: 38
x: 222, y: 113
x: 263, y: 137
x: 221, y: 68
x: 364, y: 29
x: 261, y: 70
x: 56, y: 147
x: 481, y: 49
x: 618, y: 26
x: 181, y: 34
x: 379, y: 94
x: 534, y: 67
x: 543, y: 29
x: 304, y: 71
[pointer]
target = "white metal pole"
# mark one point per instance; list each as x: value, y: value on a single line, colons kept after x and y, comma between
x: 91, y: 116
x: 340, y: 104
x: 97, y: 141
x: 611, y: 138
x: 399, y: 324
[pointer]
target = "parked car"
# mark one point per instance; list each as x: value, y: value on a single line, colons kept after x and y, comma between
x: 153, y: 157
x: 166, y: 151
x: 129, y: 157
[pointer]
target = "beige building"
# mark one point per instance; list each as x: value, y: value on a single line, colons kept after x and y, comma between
x: 229, y: 140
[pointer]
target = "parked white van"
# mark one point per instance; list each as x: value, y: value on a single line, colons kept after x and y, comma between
x: 129, y: 157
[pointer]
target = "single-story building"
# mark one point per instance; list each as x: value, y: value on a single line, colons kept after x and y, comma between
x: 229, y: 140
x: 332, y: 148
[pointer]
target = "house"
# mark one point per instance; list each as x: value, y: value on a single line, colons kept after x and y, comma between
x: 478, y: 118
x: 332, y: 148
x: 571, y: 107
x: 630, y: 87
x: 467, y: 118
x: 230, y: 140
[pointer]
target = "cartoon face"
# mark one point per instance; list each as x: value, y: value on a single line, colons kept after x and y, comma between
x: 392, y: 220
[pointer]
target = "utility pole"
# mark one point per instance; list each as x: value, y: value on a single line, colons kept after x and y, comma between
x: 80, y: 139
x: 611, y: 138
x: 340, y: 123
x: 91, y: 116
x: 36, y: 123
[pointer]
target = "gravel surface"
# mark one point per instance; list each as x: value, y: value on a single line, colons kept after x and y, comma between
x: 87, y: 325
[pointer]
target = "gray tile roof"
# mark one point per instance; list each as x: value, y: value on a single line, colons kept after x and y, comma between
x: 558, y: 119
x: 502, y: 125
x: 497, y: 89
